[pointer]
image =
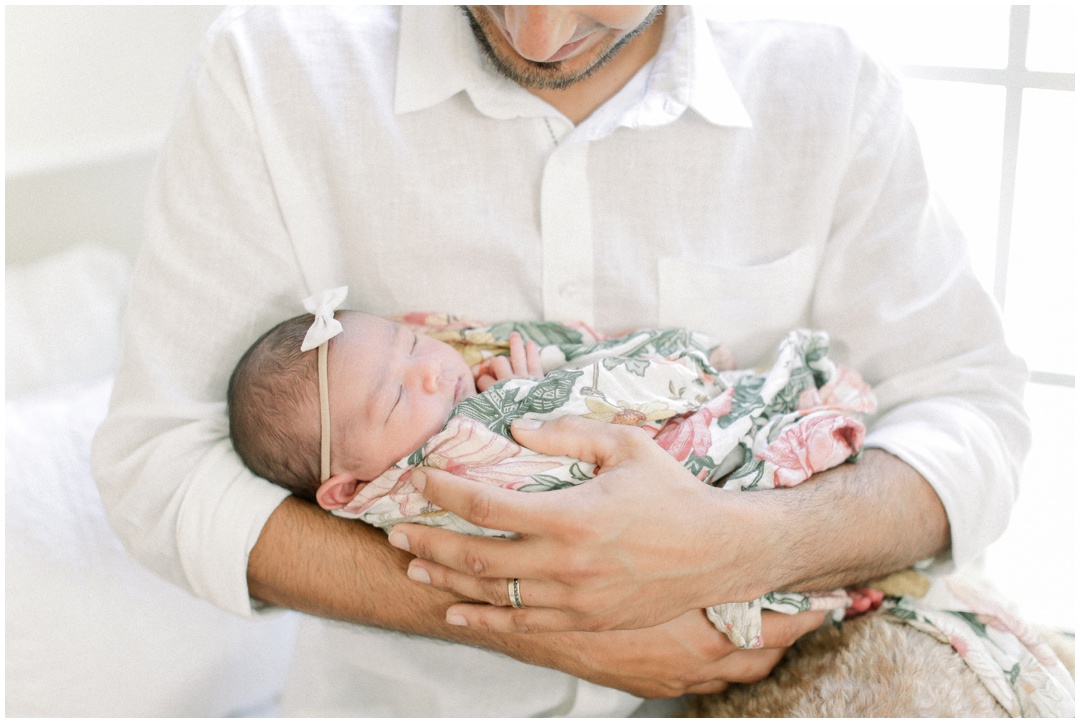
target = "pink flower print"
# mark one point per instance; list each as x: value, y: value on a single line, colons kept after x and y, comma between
x: 959, y: 645
x: 388, y: 484
x: 634, y: 415
x: 685, y: 435
x: 990, y: 611
x: 690, y: 433
x: 431, y: 322
x: 467, y: 448
x: 720, y: 406
x: 848, y: 391
x: 809, y: 400
x: 817, y: 442
x: 464, y: 447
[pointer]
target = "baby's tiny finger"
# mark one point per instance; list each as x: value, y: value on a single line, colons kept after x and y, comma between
x: 532, y: 356
x: 500, y: 367
x: 517, y: 354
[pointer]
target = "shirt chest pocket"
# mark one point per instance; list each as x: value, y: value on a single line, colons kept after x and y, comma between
x: 748, y: 308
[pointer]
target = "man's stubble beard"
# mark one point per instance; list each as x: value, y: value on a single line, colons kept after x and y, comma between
x: 532, y: 75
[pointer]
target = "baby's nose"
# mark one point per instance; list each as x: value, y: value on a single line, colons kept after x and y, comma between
x: 427, y: 373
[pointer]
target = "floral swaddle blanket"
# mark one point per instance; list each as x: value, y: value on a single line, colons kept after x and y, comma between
x: 740, y: 429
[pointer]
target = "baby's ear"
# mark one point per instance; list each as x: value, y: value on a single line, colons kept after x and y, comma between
x: 338, y: 491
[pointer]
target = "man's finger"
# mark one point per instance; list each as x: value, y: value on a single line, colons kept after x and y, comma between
x: 780, y: 631
x: 586, y: 439
x: 511, y: 620
x: 477, y: 556
x: 749, y: 666
x: 491, y: 590
x: 492, y: 507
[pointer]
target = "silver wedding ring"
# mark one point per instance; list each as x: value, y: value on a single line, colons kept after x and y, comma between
x: 514, y: 588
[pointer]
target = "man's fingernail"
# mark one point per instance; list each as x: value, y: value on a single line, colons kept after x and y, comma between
x: 526, y: 424
x: 418, y: 479
x: 398, y: 540
x: 457, y: 620
x: 419, y: 574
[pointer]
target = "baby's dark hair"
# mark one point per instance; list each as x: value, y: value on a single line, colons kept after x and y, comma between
x: 273, y: 389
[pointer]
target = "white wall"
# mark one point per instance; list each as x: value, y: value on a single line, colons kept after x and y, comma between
x: 89, y: 97
x: 86, y: 82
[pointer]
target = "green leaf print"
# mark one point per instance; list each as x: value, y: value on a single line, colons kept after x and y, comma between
x: 794, y: 601
x: 972, y: 621
x: 577, y: 474
x: 817, y: 349
x: 745, y: 399
x: 495, y: 408
x: 633, y: 365
x: 418, y: 456
x: 542, y: 332
x: 697, y: 464
x: 642, y: 344
x: 903, y: 613
x: 787, y: 398
x: 551, y: 393
x: 749, y: 475
x: 668, y: 342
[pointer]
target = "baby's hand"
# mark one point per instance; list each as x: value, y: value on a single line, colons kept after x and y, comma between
x: 722, y: 359
x: 523, y: 363
x: 863, y: 600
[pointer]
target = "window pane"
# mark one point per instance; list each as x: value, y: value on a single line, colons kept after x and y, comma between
x: 1052, y: 38
x: 1039, y: 298
x: 968, y: 36
x: 1034, y: 561
x: 960, y: 128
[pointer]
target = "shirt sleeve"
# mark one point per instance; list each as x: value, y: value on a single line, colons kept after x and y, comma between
x: 216, y: 268
x: 897, y: 293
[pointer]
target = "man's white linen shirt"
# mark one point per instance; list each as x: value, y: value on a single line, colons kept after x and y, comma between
x: 752, y: 178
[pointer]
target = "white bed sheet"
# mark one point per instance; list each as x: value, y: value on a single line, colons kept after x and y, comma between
x: 89, y: 631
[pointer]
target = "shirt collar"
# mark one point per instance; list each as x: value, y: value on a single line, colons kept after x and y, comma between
x: 438, y: 57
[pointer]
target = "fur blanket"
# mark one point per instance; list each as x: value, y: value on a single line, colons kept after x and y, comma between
x: 869, y: 666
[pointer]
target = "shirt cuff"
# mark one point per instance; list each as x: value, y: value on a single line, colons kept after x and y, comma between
x: 965, y: 460
x: 218, y: 526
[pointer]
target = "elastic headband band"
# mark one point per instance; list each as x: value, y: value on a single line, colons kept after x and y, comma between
x: 324, y: 414
x: 324, y: 328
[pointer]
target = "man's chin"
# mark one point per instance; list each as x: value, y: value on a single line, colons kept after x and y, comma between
x: 533, y: 75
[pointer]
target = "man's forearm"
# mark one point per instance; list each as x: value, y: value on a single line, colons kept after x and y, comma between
x: 310, y: 561
x: 851, y: 524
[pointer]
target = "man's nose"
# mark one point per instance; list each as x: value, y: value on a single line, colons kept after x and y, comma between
x: 538, y: 31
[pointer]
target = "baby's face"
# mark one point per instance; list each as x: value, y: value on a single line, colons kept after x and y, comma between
x: 390, y: 390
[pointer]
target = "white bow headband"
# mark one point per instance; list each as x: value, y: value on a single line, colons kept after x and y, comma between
x: 322, y: 330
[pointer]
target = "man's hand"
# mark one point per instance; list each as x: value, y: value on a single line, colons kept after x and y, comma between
x: 359, y: 578
x: 523, y: 363
x: 639, y: 545
x: 684, y: 655
x: 646, y: 541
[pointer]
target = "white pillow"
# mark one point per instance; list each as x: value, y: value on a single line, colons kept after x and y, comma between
x: 89, y: 631
x: 62, y: 318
